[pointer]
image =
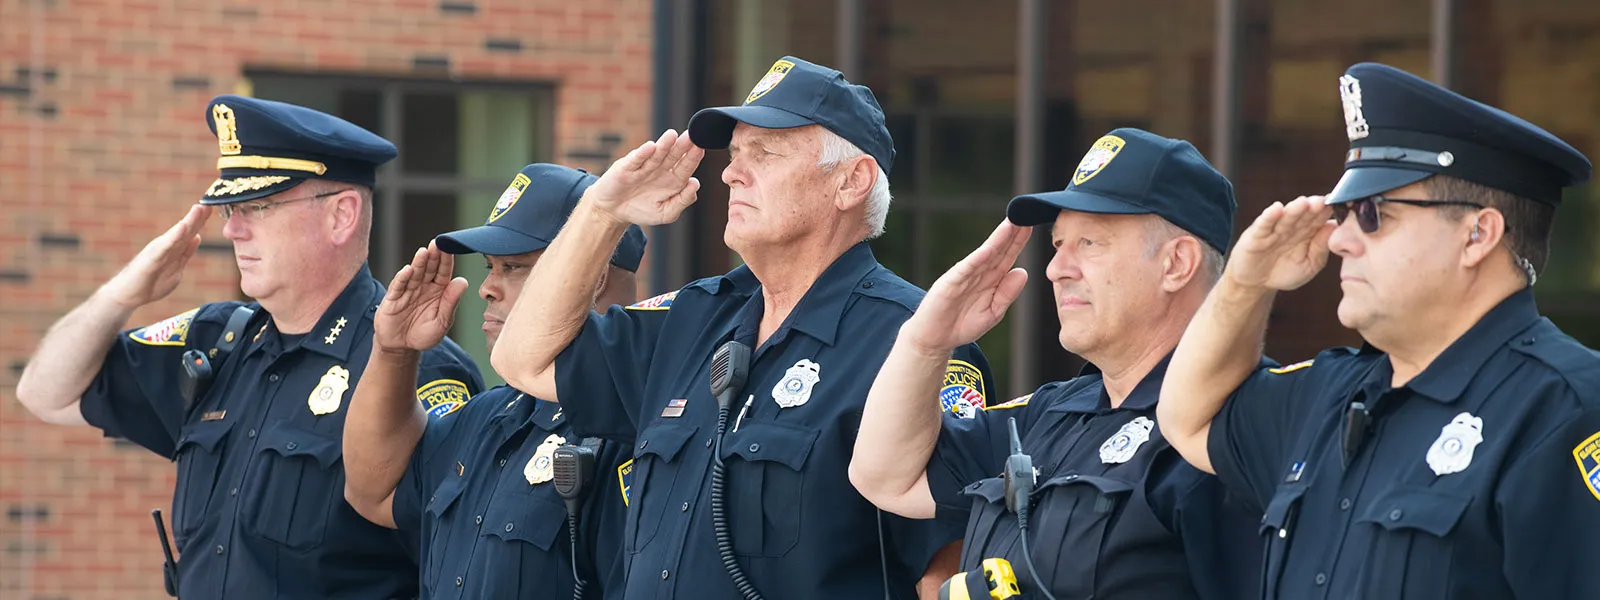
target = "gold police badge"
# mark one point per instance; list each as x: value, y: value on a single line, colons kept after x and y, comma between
x: 541, y: 467
x: 330, y: 391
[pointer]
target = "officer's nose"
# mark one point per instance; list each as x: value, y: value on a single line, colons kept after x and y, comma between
x: 236, y: 229
x: 1347, y: 240
x: 489, y: 290
x: 1063, y: 266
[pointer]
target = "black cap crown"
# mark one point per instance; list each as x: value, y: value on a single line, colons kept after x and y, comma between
x: 796, y: 93
x: 268, y: 147
x: 1135, y: 172
x: 1404, y: 129
x: 530, y: 213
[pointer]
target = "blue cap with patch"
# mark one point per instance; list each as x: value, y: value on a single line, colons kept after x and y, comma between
x: 796, y: 93
x: 268, y: 147
x: 530, y: 213
x: 1404, y: 129
x: 1135, y: 172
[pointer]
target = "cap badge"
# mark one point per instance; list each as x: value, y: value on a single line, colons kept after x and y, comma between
x: 1355, y: 125
x: 227, y: 129
x: 1099, y: 155
x: 770, y: 80
x: 510, y: 196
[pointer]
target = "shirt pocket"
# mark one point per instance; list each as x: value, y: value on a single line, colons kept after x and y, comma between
x: 520, y: 534
x: 292, y: 486
x: 199, y: 458
x: 1277, y: 524
x: 437, y: 523
x: 765, y: 487
x: 1412, y: 550
x: 652, y: 482
x: 1073, y: 514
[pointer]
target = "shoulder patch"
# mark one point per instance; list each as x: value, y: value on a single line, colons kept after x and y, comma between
x: 443, y: 396
x: 662, y: 302
x: 962, y: 392
x: 1291, y: 368
x: 625, y: 479
x: 1017, y: 403
x: 1587, y: 453
x: 172, y: 331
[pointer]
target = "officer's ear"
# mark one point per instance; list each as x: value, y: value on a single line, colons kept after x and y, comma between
x: 860, y: 173
x: 1485, y: 230
x: 344, y: 216
x: 1181, y: 258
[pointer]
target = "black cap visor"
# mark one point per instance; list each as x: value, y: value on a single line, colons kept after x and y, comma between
x: 1042, y: 208
x: 1362, y: 182
x: 489, y: 240
x: 712, y: 128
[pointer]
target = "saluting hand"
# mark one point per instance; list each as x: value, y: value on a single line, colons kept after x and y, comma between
x: 652, y: 185
x: 1285, y: 247
x: 421, y: 303
x: 157, y: 269
x: 971, y: 298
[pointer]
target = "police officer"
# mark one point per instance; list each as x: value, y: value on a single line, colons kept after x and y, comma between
x: 478, y: 491
x: 248, y: 398
x: 808, y: 187
x: 1139, y: 236
x: 1454, y: 454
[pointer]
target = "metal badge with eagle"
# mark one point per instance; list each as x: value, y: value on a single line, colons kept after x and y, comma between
x: 1452, y: 452
x: 541, y: 467
x: 1122, y: 445
x: 329, y: 392
x: 795, y: 387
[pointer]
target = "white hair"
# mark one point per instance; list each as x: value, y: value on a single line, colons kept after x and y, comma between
x: 1159, y: 231
x: 836, y: 150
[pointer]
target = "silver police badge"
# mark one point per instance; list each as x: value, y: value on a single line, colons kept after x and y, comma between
x: 1122, y: 446
x: 1452, y: 452
x: 541, y: 467
x: 795, y: 387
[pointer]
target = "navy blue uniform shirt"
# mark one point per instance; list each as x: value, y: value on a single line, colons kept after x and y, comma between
x: 641, y: 375
x: 479, y: 495
x: 259, y: 510
x: 1476, y: 479
x: 1116, y: 513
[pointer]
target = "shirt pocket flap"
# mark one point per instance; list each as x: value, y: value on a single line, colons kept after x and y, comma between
x: 522, y: 518
x: 205, y: 434
x: 781, y: 443
x: 290, y: 441
x: 1105, y: 485
x: 992, y: 489
x: 664, y: 440
x: 444, y: 496
x: 1412, y: 507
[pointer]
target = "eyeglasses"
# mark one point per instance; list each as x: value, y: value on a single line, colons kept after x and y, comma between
x: 1366, y: 209
x: 256, y: 211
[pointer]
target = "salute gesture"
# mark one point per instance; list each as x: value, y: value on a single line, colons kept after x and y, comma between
x: 1285, y: 247
x: 417, y: 312
x: 652, y: 184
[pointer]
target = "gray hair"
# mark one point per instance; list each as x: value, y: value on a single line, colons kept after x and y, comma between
x: 836, y: 150
x: 1159, y: 231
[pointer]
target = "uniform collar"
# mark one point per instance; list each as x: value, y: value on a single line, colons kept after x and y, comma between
x: 1448, y: 375
x: 819, y: 311
x: 1142, y: 398
x: 335, y: 333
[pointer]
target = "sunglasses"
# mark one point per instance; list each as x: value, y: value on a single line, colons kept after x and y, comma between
x: 1366, y: 209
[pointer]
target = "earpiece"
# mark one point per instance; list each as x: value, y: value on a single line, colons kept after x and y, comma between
x: 1474, y: 232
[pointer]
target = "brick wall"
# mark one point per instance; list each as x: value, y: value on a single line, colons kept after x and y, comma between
x: 102, y: 146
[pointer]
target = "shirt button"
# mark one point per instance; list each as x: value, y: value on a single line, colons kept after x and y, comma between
x: 273, y: 377
x: 664, y: 575
x: 755, y: 447
x: 1322, y: 578
x: 291, y: 446
x: 458, y: 582
x: 643, y: 444
x: 479, y: 520
x: 685, y: 507
x: 508, y: 528
x: 708, y: 442
x: 233, y: 492
x: 1394, y: 515
x: 252, y: 434
x: 867, y: 285
x: 219, y: 549
x: 502, y: 462
x: 1344, y: 504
